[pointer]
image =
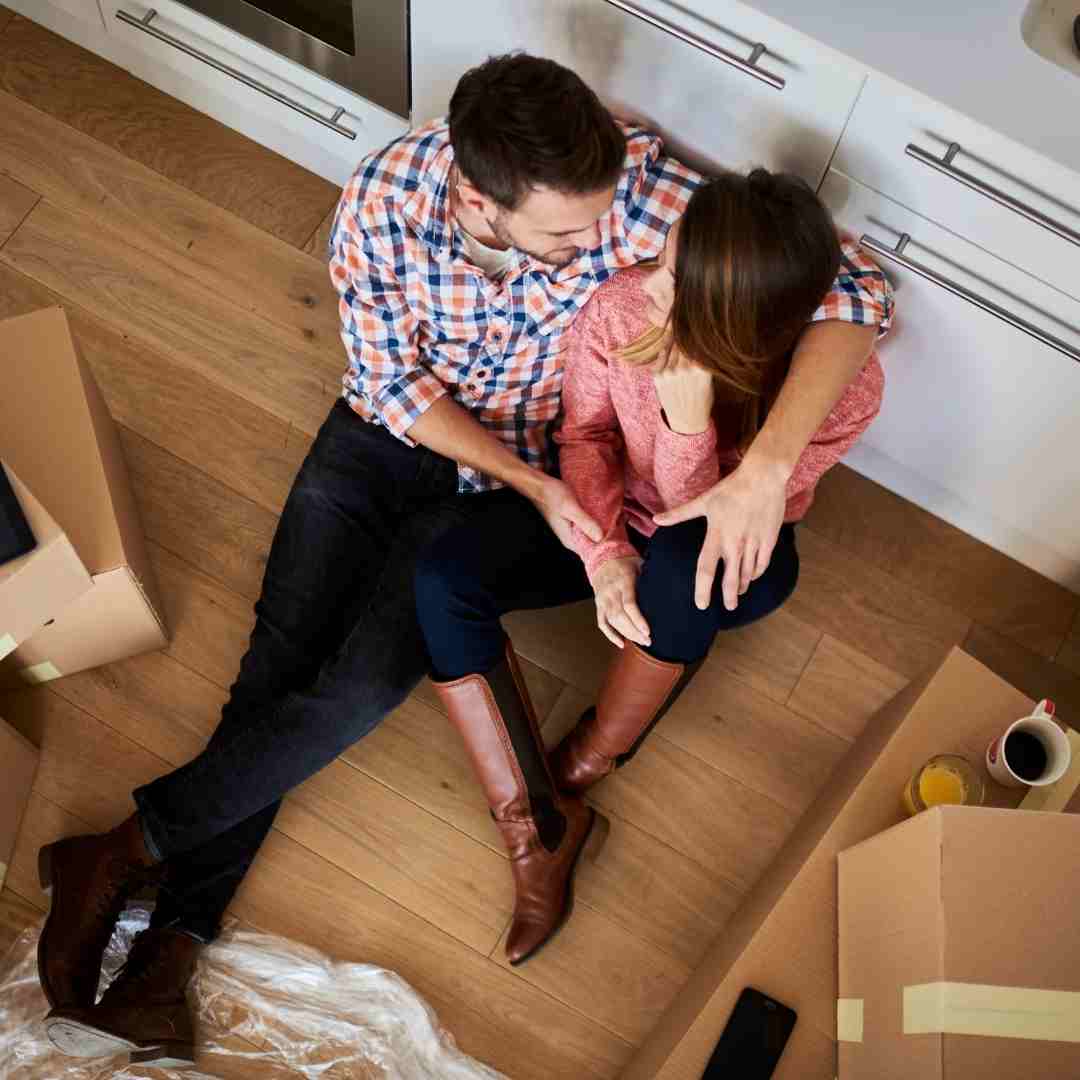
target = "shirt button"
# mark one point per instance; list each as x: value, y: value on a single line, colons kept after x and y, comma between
x: 481, y: 373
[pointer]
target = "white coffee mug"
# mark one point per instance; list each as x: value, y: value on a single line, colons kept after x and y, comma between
x: 1042, y: 725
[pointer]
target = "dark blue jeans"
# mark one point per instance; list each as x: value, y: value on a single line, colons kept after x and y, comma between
x: 505, y: 558
x: 336, y: 646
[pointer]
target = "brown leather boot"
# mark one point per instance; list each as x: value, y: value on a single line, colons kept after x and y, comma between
x: 545, y: 832
x: 144, y: 1010
x: 89, y: 878
x: 638, y: 690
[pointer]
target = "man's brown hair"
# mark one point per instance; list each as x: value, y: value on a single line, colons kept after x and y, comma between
x: 519, y: 122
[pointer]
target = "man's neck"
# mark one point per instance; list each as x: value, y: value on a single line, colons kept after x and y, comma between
x: 468, y: 219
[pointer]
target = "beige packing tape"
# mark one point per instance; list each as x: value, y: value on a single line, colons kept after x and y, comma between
x: 7, y: 645
x: 46, y: 671
x: 1055, y: 797
x: 849, y: 1020
x: 1009, y: 1012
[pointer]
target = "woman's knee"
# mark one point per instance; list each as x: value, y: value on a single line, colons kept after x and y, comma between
x: 447, y: 584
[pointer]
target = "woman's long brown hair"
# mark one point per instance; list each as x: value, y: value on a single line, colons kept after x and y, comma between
x: 757, y: 254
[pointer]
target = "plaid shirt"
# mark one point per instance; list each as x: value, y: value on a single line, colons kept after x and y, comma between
x: 420, y: 321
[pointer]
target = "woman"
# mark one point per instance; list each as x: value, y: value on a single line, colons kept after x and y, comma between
x: 670, y: 372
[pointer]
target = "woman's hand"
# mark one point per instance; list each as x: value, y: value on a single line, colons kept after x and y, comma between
x: 687, y: 393
x: 617, y: 613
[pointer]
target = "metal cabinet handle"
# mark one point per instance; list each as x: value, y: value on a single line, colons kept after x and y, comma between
x: 945, y: 165
x: 896, y: 255
x: 748, y: 66
x: 144, y: 25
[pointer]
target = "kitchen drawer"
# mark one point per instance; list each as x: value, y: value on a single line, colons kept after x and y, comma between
x: 979, y: 423
x: 889, y: 117
x: 712, y: 114
x: 274, y: 123
x: 86, y: 10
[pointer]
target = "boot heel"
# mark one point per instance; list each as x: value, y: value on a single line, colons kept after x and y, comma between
x: 170, y: 1053
x: 598, y: 836
x: 45, y: 865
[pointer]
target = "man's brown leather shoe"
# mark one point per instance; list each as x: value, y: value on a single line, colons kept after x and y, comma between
x: 143, y: 1011
x: 89, y: 878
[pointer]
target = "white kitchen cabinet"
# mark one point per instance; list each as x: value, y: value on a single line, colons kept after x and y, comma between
x: 80, y: 21
x: 981, y: 423
x: 889, y: 118
x: 711, y: 113
x: 273, y: 123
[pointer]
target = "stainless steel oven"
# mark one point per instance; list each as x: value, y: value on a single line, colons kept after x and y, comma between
x: 359, y: 44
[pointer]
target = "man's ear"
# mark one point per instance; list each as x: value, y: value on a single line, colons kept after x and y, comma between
x: 475, y: 199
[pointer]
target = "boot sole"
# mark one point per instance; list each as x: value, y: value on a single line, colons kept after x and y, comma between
x: 76, y: 1039
x: 591, y: 846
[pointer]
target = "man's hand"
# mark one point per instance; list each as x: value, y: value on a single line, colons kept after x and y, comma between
x: 617, y: 613
x: 744, y: 512
x: 560, y: 508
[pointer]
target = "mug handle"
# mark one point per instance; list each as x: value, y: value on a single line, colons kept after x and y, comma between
x: 1044, y: 710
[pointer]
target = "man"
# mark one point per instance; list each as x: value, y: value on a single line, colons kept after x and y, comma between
x: 461, y: 253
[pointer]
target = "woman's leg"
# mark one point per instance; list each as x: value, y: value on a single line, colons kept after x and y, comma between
x: 642, y: 684
x: 506, y: 557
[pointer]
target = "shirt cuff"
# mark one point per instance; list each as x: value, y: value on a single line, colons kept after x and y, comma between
x: 605, y: 551
x: 399, y: 404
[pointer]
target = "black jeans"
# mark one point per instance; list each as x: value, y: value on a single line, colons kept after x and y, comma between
x: 336, y: 646
x: 505, y: 558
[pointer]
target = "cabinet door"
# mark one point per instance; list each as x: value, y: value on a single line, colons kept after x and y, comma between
x: 981, y: 422
x: 711, y: 113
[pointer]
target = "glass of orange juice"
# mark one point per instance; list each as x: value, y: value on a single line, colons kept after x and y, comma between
x: 943, y: 780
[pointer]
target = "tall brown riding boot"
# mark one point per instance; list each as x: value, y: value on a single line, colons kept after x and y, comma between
x: 638, y: 690
x: 89, y: 879
x: 545, y: 831
x: 144, y: 1010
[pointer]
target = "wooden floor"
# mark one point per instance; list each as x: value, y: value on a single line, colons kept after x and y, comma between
x: 190, y: 262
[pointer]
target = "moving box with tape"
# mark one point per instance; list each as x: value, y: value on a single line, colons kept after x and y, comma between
x: 960, y: 948
x: 18, y: 763
x: 782, y: 940
x: 57, y: 437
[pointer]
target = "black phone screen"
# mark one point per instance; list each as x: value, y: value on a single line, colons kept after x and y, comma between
x: 755, y: 1037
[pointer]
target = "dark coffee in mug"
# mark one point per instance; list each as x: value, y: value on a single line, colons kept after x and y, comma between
x: 1025, y: 755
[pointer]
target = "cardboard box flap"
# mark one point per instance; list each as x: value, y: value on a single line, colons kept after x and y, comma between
x: 39, y: 585
x: 51, y: 434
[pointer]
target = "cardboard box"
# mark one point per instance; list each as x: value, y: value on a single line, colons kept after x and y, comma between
x: 960, y: 948
x: 39, y: 585
x: 57, y: 436
x: 18, y: 763
x: 782, y: 940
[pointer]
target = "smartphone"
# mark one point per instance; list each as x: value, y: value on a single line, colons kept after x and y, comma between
x: 15, y: 536
x: 755, y: 1037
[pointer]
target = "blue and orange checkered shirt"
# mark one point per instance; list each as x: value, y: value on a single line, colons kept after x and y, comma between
x: 420, y: 321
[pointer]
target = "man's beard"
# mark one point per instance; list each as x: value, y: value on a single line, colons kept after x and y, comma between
x: 504, y: 236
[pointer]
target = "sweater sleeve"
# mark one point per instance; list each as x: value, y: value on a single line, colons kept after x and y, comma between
x: 686, y: 465
x: 591, y: 454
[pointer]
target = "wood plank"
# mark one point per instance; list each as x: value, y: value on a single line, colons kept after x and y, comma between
x: 726, y: 827
x: 746, y: 736
x: 884, y: 530
x: 870, y: 610
x: 175, y: 314
x: 841, y: 688
x: 212, y: 527
x: 233, y: 258
x: 319, y: 241
x: 769, y: 654
x: 1069, y: 654
x: 16, y: 201
x: 564, y: 641
x: 16, y: 915
x: 494, y: 1014
x: 5, y: 17
x: 1027, y: 671
x: 600, y: 970
x: 107, y: 103
x: 237, y: 443
x: 43, y: 822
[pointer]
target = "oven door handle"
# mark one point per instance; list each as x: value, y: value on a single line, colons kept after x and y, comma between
x: 143, y: 24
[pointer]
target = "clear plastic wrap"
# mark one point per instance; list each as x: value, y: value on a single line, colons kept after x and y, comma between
x: 265, y: 1008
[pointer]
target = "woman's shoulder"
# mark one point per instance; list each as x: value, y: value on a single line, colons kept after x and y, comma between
x: 617, y: 308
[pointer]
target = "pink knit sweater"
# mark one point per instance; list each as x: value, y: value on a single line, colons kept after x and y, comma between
x: 621, y: 459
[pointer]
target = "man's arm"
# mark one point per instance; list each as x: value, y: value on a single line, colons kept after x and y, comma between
x: 746, y: 509
x: 448, y: 429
